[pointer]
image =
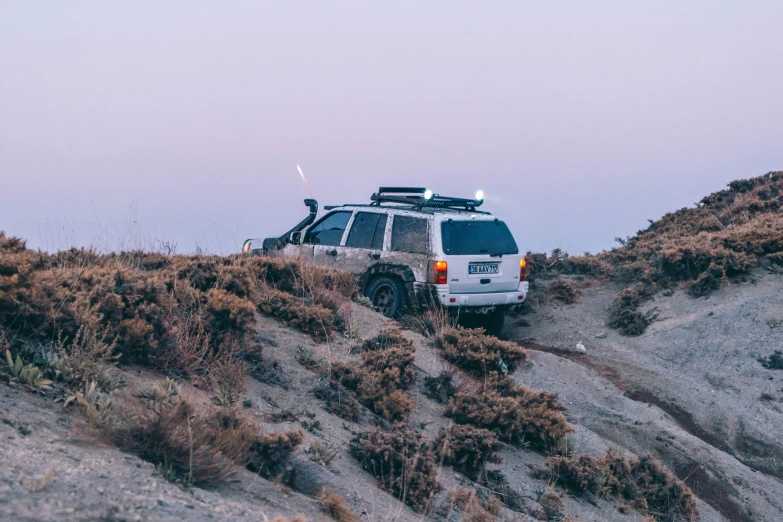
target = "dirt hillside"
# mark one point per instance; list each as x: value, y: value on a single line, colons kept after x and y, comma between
x: 142, y: 386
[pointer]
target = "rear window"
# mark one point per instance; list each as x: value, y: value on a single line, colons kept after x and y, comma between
x: 409, y: 234
x: 465, y: 238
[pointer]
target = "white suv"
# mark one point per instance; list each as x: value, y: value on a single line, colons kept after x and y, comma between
x: 410, y: 247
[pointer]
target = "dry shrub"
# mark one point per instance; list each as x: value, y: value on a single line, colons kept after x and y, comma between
x: 477, y: 353
x: 333, y: 505
x: 403, y: 463
x: 644, y: 483
x: 467, y: 449
x: 313, y: 319
x: 440, y: 388
x: 338, y: 400
x: 386, y: 372
x: 268, y: 453
x: 624, y: 313
x: 469, y: 503
x: 516, y: 414
x: 565, y: 291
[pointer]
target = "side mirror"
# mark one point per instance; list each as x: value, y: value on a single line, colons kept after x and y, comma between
x: 295, y: 237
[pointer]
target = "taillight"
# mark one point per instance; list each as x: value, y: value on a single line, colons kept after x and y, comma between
x: 246, y: 247
x: 522, y: 269
x: 439, y: 272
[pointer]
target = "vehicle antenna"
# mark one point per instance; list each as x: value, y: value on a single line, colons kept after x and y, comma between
x: 307, y: 185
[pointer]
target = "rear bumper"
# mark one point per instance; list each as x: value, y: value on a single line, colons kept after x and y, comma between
x: 494, y: 299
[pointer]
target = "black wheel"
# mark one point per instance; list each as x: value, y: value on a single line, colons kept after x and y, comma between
x: 387, y: 295
x: 492, y: 322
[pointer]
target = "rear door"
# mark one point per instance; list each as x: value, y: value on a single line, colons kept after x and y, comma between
x: 482, y: 256
x: 409, y: 244
x: 364, y: 242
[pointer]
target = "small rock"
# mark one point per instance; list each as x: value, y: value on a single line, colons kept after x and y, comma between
x: 601, y: 335
x: 581, y: 348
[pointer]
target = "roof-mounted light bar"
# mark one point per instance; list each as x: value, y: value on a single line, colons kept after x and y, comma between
x: 422, y: 197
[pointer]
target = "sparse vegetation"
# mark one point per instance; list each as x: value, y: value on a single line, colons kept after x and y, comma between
x: 644, y: 483
x: 477, y: 353
x: 403, y: 463
x: 514, y: 413
x: 725, y: 235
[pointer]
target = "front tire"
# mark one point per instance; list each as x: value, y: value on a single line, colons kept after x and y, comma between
x: 387, y: 295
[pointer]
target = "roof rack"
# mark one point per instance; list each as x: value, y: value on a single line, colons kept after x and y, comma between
x: 420, y: 197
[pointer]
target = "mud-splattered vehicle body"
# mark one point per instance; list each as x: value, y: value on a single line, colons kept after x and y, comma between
x: 410, y: 249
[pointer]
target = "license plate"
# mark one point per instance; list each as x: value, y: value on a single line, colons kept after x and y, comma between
x: 488, y: 268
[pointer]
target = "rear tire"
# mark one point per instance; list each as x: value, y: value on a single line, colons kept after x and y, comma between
x: 387, y: 295
x: 493, y: 322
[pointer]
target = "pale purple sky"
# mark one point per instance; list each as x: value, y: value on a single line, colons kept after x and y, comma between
x: 127, y: 123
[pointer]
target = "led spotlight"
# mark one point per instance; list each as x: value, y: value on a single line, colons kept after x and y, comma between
x: 480, y: 195
x: 427, y: 194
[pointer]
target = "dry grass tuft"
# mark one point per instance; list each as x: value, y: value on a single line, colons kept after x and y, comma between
x: 477, y: 353
x: 41, y: 484
x: 195, y: 445
x: 470, y: 504
x: 403, y: 463
x: 644, y: 483
x: 334, y: 506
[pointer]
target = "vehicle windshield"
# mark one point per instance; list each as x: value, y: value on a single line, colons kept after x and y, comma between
x: 464, y: 238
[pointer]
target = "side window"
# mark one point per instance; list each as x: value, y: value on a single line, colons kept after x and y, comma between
x: 367, y: 230
x: 410, y: 234
x: 328, y: 231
